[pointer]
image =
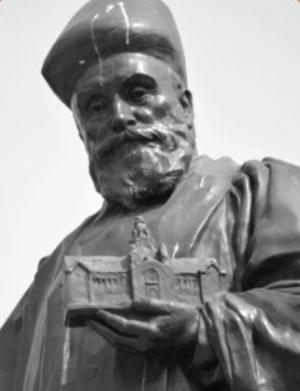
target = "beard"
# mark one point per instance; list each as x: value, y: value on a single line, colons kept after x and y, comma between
x: 142, y: 167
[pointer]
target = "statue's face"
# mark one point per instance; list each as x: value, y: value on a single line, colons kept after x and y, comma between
x: 136, y: 121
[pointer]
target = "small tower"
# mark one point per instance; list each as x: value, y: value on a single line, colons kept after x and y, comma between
x: 142, y: 246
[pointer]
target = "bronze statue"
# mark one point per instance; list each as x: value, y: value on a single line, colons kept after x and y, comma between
x: 188, y: 278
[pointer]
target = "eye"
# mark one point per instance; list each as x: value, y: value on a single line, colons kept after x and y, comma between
x: 96, y: 107
x: 139, y: 88
x: 139, y: 93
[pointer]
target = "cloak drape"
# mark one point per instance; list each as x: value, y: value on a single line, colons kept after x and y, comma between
x: 246, y: 218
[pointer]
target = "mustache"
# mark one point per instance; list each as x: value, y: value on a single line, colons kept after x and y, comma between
x: 165, y: 136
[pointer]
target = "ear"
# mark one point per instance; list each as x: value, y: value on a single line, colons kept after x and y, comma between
x: 186, y: 101
x: 79, y: 131
x: 78, y: 126
x: 83, y: 139
x: 80, y: 134
x: 75, y: 112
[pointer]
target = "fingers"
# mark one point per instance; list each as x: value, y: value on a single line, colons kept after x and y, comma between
x: 127, y: 326
x: 161, y: 324
x: 106, y: 332
x: 122, y: 342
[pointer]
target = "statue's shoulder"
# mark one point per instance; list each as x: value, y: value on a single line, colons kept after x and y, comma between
x: 220, y: 170
x: 271, y: 169
x: 206, y: 164
x: 224, y: 174
x: 67, y: 243
x: 226, y: 167
x: 282, y: 164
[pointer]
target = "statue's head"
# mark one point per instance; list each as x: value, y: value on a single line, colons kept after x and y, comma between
x: 120, y: 67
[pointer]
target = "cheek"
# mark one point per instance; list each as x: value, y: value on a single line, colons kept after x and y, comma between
x: 88, y: 132
x: 170, y: 112
x: 161, y: 108
x: 95, y: 130
x: 156, y: 109
x: 144, y: 115
x: 90, y: 138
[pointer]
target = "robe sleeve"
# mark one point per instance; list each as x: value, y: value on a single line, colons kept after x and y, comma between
x: 16, y: 339
x: 11, y: 341
x: 254, y: 332
x: 19, y: 352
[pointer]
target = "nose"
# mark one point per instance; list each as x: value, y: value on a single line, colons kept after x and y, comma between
x: 123, y: 115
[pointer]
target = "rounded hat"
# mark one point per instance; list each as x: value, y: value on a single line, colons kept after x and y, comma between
x: 102, y: 28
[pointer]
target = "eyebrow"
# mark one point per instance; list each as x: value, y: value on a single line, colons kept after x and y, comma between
x: 142, y: 77
x: 91, y: 87
x: 89, y: 92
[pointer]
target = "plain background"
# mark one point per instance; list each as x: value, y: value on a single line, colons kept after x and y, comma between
x: 243, y: 63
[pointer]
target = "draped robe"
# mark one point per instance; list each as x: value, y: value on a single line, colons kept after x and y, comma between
x: 245, y: 217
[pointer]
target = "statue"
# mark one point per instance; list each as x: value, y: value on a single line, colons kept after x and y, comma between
x: 188, y: 277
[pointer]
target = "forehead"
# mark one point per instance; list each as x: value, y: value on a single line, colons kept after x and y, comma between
x: 122, y: 66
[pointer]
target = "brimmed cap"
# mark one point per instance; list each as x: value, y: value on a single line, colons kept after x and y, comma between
x: 103, y: 28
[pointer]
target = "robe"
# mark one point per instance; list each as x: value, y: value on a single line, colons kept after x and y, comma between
x: 246, y: 218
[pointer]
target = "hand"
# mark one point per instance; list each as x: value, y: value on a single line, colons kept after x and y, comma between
x: 156, y: 325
